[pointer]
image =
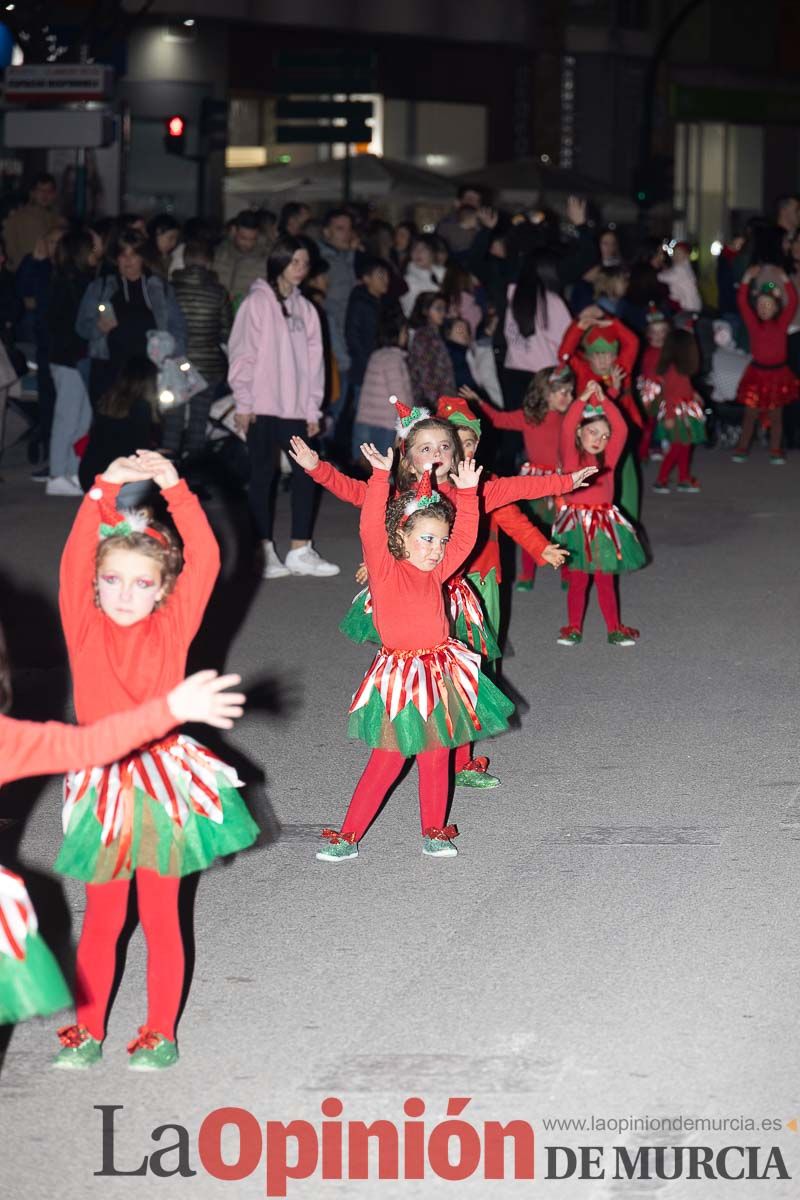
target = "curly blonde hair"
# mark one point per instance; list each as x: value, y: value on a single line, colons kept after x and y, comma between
x: 397, y: 523
x: 167, y: 554
x: 406, y: 475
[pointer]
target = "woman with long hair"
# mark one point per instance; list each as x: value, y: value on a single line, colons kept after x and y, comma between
x: 535, y: 322
x: 429, y: 363
x: 278, y: 380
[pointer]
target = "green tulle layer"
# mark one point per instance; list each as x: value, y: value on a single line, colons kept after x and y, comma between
x: 32, y: 986
x: 158, y: 843
x: 691, y: 432
x: 358, y: 625
x: 603, y: 555
x: 409, y: 734
x: 488, y: 592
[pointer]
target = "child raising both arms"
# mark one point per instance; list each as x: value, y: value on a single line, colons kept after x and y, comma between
x: 130, y: 614
x: 424, y: 692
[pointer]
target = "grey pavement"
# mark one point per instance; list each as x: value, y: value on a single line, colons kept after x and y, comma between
x: 618, y: 935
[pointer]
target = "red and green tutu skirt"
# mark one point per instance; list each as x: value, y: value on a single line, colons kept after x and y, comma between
x: 415, y: 700
x: 31, y: 983
x: 542, y: 511
x: 763, y: 388
x: 472, y: 612
x: 599, y: 538
x: 690, y: 424
x: 172, y: 807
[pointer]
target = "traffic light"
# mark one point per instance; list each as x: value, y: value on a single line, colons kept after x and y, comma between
x: 175, y: 134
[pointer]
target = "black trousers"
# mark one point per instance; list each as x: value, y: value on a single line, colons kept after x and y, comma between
x: 266, y: 437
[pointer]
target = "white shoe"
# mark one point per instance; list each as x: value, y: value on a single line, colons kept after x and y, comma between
x: 306, y: 561
x: 273, y: 567
x: 76, y: 481
x: 62, y: 486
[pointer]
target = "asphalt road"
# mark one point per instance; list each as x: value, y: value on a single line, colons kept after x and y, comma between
x: 618, y: 936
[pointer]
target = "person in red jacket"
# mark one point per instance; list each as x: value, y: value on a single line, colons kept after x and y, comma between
x: 31, y: 983
x: 129, y: 614
x: 681, y: 419
x: 601, y: 350
x: 769, y: 383
x: 648, y: 384
x: 549, y: 395
x: 601, y: 541
x: 424, y: 692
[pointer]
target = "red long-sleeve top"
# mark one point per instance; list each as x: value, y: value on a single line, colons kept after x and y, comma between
x: 676, y: 390
x: 542, y: 441
x: 648, y: 365
x: 601, y: 489
x: 408, y: 604
x: 572, y: 353
x: 767, y: 338
x: 496, y: 497
x: 115, y: 667
x: 48, y: 747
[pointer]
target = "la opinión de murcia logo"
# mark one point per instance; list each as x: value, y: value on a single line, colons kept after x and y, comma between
x: 451, y: 1149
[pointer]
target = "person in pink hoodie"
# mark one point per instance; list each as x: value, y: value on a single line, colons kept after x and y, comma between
x: 277, y: 377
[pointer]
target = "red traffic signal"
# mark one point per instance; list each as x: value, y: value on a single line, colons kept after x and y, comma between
x: 174, y: 134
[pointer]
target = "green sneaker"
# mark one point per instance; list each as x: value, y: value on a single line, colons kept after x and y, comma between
x: 738, y: 457
x: 523, y: 585
x: 437, y: 843
x: 340, y: 846
x: 624, y: 636
x: 475, y: 774
x: 569, y: 636
x: 151, y: 1051
x: 79, y: 1050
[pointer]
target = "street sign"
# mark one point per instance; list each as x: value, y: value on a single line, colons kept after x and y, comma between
x: 57, y: 82
x: 64, y: 128
x: 321, y: 134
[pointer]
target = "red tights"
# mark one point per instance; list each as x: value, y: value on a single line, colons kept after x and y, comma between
x: 106, y: 907
x: 606, y: 597
x: 382, y: 770
x: 679, y: 455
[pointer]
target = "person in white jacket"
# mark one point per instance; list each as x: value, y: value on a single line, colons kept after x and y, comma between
x: 681, y: 279
x: 277, y: 377
x: 423, y: 274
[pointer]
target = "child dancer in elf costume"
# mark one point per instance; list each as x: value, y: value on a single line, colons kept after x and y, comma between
x: 31, y: 983
x: 601, y: 541
x: 129, y: 615
x: 433, y: 439
x: 424, y: 692
x: 549, y: 395
x: 681, y: 419
x: 648, y: 383
x: 769, y: 383
x: 601, y: 350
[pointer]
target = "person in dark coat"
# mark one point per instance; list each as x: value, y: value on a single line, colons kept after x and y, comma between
x: 365, y: 309
x: 125, y: 420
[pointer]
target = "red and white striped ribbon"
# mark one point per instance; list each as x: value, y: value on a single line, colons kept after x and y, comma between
x: 17, y: 917
x: 419, y: 677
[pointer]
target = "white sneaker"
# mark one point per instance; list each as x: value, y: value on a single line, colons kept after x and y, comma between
x: 76, y: 481
x: 306, y: 561
x: 273, y: 567
x: 62, y: 486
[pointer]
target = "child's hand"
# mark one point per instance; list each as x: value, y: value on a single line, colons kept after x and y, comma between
x: 160, y: 469
x: 468, y: 393
x: 202, y: 697
x: 581, y: 478
x: 125, y: 470
x: 590, y: 316
x: 303, y: 455
x: 555, y: 556
x: 378, y: 461
x: 467, y: 475
x: 617, y: 376
x: 361, y: 574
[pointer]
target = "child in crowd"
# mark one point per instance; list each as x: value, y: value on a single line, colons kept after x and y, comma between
x: 429, y: 364
x: 127, y: 418
x: 423, y: 273
x: 648, y: 384
x: 386, y: 375
x: 31, y: 983
x: 424, y: 692
x: 601, y: 541
x: 681, y: 420
x: 129, y: 614
x: 681, y: 280
x: 769, y: 383
x: 548, y: 397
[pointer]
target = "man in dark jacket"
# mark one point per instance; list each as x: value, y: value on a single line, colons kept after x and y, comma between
x: 365, y: 308
x: 207, y: 308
